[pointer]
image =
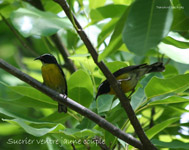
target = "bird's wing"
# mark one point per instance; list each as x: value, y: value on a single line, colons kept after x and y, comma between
x: 126, y: 79
x: 128, y: 69
x: 66, y: 90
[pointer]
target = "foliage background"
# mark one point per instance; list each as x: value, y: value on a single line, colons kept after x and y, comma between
x: 125, y: 33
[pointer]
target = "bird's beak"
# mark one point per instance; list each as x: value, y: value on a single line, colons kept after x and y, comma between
x: 38, y: 58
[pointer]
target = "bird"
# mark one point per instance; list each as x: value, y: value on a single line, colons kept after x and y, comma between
x: 128, y: 78
x: 53, y: 76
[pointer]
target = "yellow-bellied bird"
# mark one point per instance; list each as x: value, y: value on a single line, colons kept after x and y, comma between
x: 128, y: 77
x: 53, y: 76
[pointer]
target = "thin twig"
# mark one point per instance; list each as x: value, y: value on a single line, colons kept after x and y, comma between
x: 63, y: 99
x: 73, y: 146
x: 111, y: 79
x: 152, y: 117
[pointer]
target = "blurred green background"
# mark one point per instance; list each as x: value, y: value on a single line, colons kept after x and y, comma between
x: 124, y: 32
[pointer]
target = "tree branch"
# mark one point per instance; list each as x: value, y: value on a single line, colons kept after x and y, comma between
x: 111, y: 79
x: 60, y: 98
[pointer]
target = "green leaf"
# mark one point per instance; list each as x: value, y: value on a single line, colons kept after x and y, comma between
x: 106, y: 31
x: 113, y: 46
x: 126, y: 2
x: 180, y: 21
x: 175, y: 144
x: 170, y: 71
x: 56, y: 117
x: 9, y: 129
x: 6, y: 7
x: 96, y: 3
x: 72, y: 39
x: 171, y: 41
x: 120, y: 24
x: 122, y: 55
x: 51, y: 6
x: 170, y: 100
x: 109, y: 138
x: 19, y: 112
x: 81, y: 133
x: 80, y: 88
x: 32, y: 21
x: 107, y: 11
x: 80, y: 79
x: 86, y: 124
x: 116, y: 65
x: 138, y: 97
x: 10, y: 97
x: 185, y: 4
x: 10, y: 80
x: 116, y: 38
x: 81, y: 95
x: 159, y: 127
x: 32, y: 93
x: 6, y: 94
x: 83, y: 60
x: 177, y: 54
x: 157, y: 86
x: 36, y: 131
x: 117, y: 115
x: 104, y: 103
x: 147, y: 24
x: 28, y: 103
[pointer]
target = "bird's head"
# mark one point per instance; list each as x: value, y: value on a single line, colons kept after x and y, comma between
x: 47, y: 59
x: 104, y: 88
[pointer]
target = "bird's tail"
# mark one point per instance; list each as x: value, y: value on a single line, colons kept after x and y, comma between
x: 156, y: 67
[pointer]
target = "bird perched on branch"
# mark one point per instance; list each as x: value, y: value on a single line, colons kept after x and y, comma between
x: 53, y: 76
x: 128, y: 77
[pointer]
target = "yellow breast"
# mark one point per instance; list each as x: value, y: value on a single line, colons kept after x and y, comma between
x: 53, y: 77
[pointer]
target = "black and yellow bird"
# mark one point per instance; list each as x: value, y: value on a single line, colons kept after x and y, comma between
x: 53, y: 76
x: 128, y: 77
